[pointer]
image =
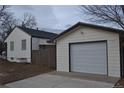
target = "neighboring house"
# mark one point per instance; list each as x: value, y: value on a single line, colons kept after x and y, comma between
x: 93, y: 49
x: 21, y: 42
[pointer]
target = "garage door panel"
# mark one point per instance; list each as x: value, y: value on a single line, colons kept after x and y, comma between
x: 93, y: 71
x: 89, y: 58
x: 86, y: 64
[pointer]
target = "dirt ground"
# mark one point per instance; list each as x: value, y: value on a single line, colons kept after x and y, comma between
x: 10, y: 72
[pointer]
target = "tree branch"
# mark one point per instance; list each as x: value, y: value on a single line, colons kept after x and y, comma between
x: 106, y: 13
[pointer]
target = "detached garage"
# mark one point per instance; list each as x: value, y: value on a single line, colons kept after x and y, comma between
x: 91, y: 49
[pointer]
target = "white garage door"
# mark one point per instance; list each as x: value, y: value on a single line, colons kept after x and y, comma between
x: 89, y: 58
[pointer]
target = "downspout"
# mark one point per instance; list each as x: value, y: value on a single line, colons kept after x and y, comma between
x: 121, y: 58
x: 31, y: 48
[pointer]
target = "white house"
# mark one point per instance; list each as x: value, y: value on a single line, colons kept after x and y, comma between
x: 21, y: 41
x: 93, y: 49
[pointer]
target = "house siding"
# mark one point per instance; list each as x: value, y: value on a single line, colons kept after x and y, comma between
x: 17, y: 36
x: 39, y: 41
x: 89, y: 34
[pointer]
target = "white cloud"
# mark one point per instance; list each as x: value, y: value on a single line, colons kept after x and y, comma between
x: 53, y: 17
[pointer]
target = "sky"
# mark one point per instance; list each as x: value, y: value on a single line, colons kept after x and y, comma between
x: 55, y: 18
x: 51, y: 17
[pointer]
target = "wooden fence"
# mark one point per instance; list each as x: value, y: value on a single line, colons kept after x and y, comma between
x: 46, y: 55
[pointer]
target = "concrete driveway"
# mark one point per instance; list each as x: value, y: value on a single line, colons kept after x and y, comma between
x: 56, y: 81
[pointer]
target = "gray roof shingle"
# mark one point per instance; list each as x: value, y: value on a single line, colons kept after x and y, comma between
x: 38, y: 33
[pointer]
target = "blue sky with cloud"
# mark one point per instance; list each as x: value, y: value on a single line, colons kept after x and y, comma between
x: 54, y: 17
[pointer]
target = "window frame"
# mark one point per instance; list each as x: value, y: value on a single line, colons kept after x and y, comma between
x: 23, y: 45
x: 11, y: 45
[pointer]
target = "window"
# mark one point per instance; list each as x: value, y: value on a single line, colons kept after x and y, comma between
x: 24, y: 44
x: 11, y: 45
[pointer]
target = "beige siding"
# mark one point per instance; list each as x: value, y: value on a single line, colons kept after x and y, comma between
x: 89, y: 34
x: 39, y: 41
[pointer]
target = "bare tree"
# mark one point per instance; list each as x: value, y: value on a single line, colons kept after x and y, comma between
x: 28, y: 20
x: 4, y: 21
x: 106, y: 14
x: 9, y: 23
x: 3, y: 11
x: 3, y: 47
